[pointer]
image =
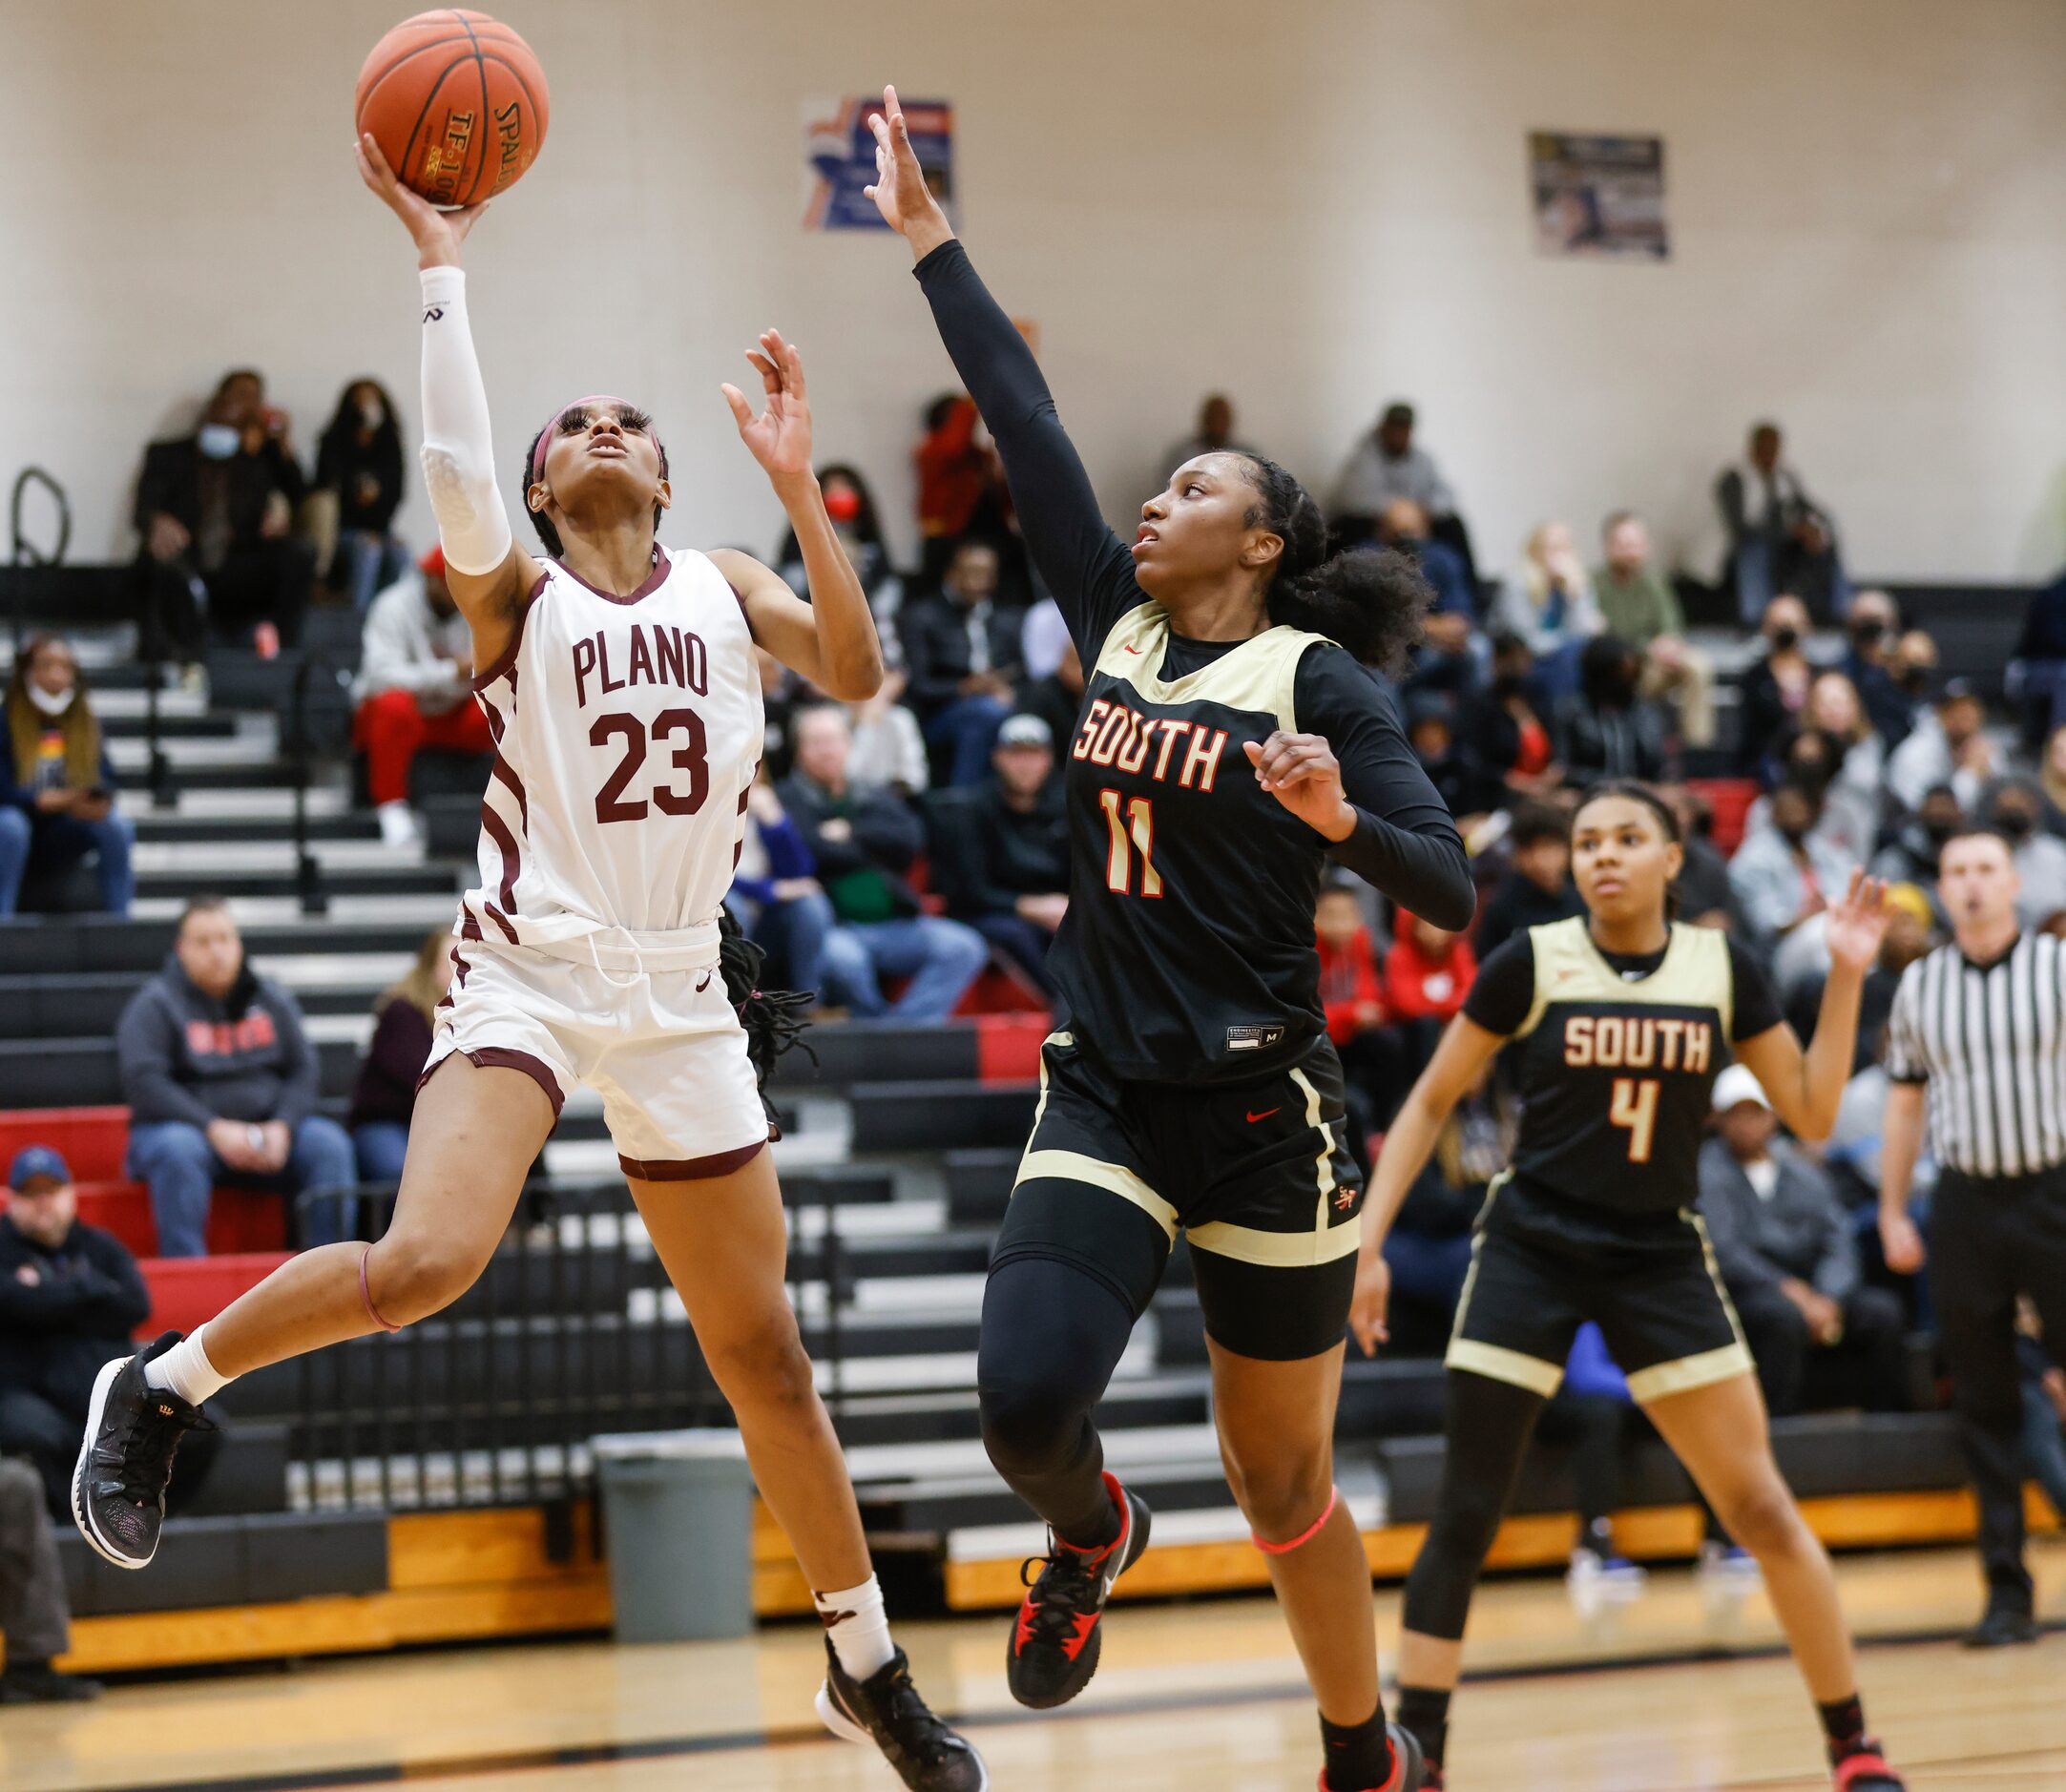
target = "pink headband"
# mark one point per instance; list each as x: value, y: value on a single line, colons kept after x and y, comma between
x: 545, y: 435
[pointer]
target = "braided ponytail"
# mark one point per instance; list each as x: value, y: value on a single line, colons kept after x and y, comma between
x: 1370, y: 599
x: 774, y: 1019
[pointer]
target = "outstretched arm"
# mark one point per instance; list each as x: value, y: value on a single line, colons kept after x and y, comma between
x: 832, y: 639
x: 1086, y: 566
x: 489, y: 575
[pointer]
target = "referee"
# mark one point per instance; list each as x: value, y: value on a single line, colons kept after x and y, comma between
x: 1982, y: 1024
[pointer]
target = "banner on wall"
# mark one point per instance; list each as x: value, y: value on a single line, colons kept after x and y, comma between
x: 1601, y: 197
x: 839, y: 158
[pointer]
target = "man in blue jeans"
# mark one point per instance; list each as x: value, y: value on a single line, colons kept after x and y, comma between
x: 863, y: 839
x: 221, y: 1083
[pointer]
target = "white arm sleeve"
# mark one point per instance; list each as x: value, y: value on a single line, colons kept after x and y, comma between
x: 458, y: 451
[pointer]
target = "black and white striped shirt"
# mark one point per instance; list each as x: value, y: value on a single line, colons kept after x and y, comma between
x: 1990, y: 1042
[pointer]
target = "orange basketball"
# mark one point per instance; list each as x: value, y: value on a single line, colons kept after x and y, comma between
x: 456, y: 102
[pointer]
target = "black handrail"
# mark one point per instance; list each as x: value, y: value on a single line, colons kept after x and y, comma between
x: 23, y: 553
x: 309, y: 885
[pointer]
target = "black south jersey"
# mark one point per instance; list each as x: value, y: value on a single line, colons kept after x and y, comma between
x: 1616, y: 1058
x: 1187, y: 954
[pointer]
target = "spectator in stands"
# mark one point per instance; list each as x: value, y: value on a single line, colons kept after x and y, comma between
x: 1782, y: 873
x: 1780, y: 539
x: 1946, y: 747
x: 2016, y: 810
x: 960, y: 489
x: 1910, y: 928
x: 1429, y: 1246
x: 1858, y: 757
x: 413, y: 690
x: 864, y: 839
x: 359, y: 464
x: 2044, y: 1408
x: 35, y: 1617
x: 1043, y: 638
x: 1874, y: 624
x: 1352, y: 1001
x: 1430, y: 729
x: 2037, y: 671
x: 851, y: 506
x: 383, y: 1098
x: 2052, y: 781
x: 1636, y: 602
x: 57, y: 783
x: 1705, y: 899
x: 1911, y: 856
x: 962, y: 648
x: 1385, y: 466
x: 1445, y: 659
x: 1775, y: 688
x: 216, y: 512
x: 1913, y: 665
x: 70, y: 1295
x: 1427, y: 972
x: 1609, y: 730
x: 1506, y: 742
x: 1549, y: 604
x: 1789, y: 1255
x: 1214, y: 436
x: 1058, y: 698
x: 780, y: 692
x: 774, y: 893
x: 1004, y: 868
x: 221, y: 1083
x: 1537, y: 887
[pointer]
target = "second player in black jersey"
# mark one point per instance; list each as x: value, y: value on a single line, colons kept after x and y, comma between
x: 1618, y: 1022
x: 1232, y: 742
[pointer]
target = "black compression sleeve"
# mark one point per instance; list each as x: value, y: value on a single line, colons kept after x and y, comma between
x: 1087, y: 568
x: 1405, y: 843
x: 1755, y: 1004
x: 1505, y: 989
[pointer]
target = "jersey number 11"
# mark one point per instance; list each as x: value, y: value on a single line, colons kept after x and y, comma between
x: 1134, y: 833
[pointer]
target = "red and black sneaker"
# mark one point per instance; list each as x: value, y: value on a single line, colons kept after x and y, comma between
x: 1864, y: 1770
x: 1409, y: 1772
x: 1054, y: 1644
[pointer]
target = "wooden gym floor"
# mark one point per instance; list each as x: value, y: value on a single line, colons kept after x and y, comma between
x: 1679, y: 1691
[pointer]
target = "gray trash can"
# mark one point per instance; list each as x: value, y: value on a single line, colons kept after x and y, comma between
x: 677, y: 1521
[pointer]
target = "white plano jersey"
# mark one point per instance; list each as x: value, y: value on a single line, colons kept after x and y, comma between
x: 627, y: 733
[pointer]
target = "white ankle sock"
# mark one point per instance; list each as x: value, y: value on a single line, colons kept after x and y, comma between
x: 185, y: 1369
x: 859, y: 1629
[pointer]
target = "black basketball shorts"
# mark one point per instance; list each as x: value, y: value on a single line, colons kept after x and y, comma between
x: 1541, y: 1266
x: 1256, y: 1173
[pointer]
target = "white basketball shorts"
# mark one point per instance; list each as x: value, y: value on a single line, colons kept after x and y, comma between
x: 665, y: 1049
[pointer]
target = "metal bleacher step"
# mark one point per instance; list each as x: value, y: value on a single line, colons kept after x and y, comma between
x: 938, y: 1415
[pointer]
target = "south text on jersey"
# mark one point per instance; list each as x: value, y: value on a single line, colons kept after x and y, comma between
x: 1628, y: 1042
x: 1114, y: 734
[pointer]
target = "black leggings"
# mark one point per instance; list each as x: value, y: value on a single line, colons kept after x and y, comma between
x: 1488, y: 1425
x: 1053, y: 1333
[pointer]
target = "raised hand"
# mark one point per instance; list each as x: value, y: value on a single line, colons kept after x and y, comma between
x: 899, y: 191
x: 778, y: 438
x: 1856, y: 923
x: 1301, y: 771
x: 437, y: 235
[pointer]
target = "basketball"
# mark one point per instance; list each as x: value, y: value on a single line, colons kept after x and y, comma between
x: 457, y: 103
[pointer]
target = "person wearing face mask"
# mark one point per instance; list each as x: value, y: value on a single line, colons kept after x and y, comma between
x: 1949, y: 746
x: 851, y: 506
x: 1874, y: 627
x: 216, y: 513
x: 1775, y: 687
x: 56, y: 781
x: 2018, y: 812
x: 359, y: 463
x: 1609, y: 730
x: 1784, y: 873
x: 1506, y: 737
x: 1911, y: 856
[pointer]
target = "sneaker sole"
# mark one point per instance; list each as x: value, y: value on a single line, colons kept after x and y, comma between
x: 848, y: 1730
x: 99, y: 1545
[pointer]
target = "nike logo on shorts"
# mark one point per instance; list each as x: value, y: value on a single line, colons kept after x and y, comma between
x: 1266, y: 1113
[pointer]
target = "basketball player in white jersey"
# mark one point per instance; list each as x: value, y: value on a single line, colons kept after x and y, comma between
x: 621, y: 685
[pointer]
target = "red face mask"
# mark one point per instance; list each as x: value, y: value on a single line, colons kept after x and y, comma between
x: 842, y: 506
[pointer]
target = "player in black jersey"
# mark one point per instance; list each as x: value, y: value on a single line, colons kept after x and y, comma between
x: 1228, y: 745
x: 1621, y: 1019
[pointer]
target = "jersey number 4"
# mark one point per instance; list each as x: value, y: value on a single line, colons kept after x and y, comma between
x: 692, y: 759
x: 1134, y: 833
x: 1634, y: 1106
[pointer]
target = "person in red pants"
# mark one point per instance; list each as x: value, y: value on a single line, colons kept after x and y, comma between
x: 413, y: 690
